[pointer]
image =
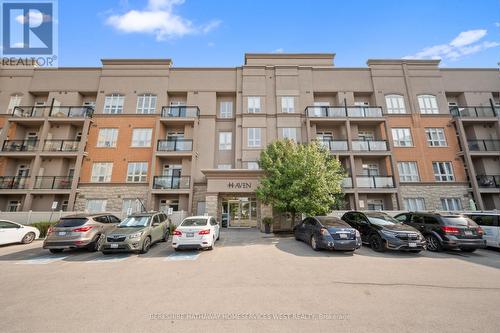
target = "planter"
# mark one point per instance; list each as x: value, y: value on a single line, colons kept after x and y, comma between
x: 267, y: 228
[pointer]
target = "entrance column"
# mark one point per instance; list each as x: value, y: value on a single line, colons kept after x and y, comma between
x: 211, y: 204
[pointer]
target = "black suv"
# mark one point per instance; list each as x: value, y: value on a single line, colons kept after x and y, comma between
x: 445, y: 231
x: 383, y: 232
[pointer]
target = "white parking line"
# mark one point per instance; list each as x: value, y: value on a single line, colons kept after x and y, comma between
x: 43, y: 260
x: 108, y: 258
x: 182, y: 256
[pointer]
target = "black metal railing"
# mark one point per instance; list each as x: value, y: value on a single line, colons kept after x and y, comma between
x: 72, y: 111
x: 344, y: 111
x: 53, y: 182
x: 175, y: 145
x: 474, y: 111
x: 61, y: 145
x: 334, y: 145
x: 484, y: 145
x: 171, y: 182
x: 492, y: 181
x: 13, y: 182
x: 31, y: 111
x: 20, y: 145
x: 375, y: 181
x: 180, y: 111
x: 369, y: 145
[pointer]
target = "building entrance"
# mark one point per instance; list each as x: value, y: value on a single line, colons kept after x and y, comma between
x: 239, y: 212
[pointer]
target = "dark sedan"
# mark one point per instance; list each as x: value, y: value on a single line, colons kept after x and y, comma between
x: 383, y: 232
x: 327, y: 232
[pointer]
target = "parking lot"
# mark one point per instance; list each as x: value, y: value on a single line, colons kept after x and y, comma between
x: 249, y: 282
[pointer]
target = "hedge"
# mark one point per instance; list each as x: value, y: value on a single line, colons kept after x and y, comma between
x: 43, y: 227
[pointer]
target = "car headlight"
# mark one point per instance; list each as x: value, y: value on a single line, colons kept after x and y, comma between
x: 388, y: 233
x: 136, y: 235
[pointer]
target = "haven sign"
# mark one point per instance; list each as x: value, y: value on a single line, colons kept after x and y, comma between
x: 232, y: 185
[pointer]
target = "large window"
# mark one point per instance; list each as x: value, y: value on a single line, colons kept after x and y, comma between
x: 287, y: 104
x: 253, y: 104
x: 146, y: 104
x: 101, y: 172
x: 414, y: 204
x: 225, y: 140
x: 141, y: 137
x: 443, y: 172
x: 451, y: 204
x: 253, y: 166
x: 131, y: 205
x: 254, y: 137
x: 402, y: 137
x: 137, y: 172
x: 435, y: 137
x: 96, y: 205
x: 15, y: 100
x: 408, y: 172
x: 224, y: 166
x: 226, y: 109
x: 107, y: 137
x: 428, y: 104
x: 113, y: 104
x: 289, y: 133
x: 395, y: 104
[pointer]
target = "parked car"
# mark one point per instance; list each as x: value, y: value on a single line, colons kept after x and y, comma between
x: 445, y: 231
x: 327, y: 232
x: 383, y: 232
x: 137, y: 233
x: 196, y: 232
x: 12, y: 232
x: 490, y: 223
x: 79, y: 231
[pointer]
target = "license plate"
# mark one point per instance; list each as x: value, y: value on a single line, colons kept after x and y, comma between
x: 189, y: 234
x: 114, y: 246
x: 61, y: 233
x: 468, y: 233
x: 343, y: 236
x: 412, y: 244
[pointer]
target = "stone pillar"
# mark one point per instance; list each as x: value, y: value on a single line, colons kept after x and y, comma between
x: 211, y: 204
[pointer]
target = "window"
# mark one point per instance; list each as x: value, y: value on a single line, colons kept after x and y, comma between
x: 15, y: 100
x: 428, y: 104
x: 253, y: 104
x: 408, y: 172
x: 141, y: 137
x: 96, y: 205
x: 254, y: 138
x: 370, y: 170
x: 375, y: 204
x: 253, y: 166
x: 101, y: 172
x: 13, y: 205
x: 289, y: 133
x: 146, y: 104
x: 224, y: 166
x: 395, y: 104
x: 451, y: 204
x: 402, y: 137
x: 414, y: 204
x: 107, y: 137
x: 133, y: 204
x: 443, y: 171
x: 226, y: 109
x: 113, y: 104
x: 225, y: 139
x: 435, y: 137
x: 137, y: 172
x: 287, y: 104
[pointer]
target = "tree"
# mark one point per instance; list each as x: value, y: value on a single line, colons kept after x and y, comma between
x: 300, y: 178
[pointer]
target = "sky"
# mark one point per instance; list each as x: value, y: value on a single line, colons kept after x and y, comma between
x: 217, y: 33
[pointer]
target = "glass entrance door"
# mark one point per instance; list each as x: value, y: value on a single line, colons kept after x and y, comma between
x: 239, y: 212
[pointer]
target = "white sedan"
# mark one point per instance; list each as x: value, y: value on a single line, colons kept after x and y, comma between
x: 196, y: 232
x: 12, y: 232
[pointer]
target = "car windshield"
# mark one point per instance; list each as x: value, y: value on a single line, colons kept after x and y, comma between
x: 134, y: 222
x: 333, y: 222
x: 382, y: 219
x: 70, y: 222
x: 459, y: 221
x: 194, y: 222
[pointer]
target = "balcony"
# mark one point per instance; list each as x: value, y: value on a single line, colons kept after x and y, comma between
x: 20, y: 145
x: 30, y: 111
x: 347, y: 182
x: 175, y: 145
x: 180, y: 112
x: 53, y: 182
x: 61, y: 145
x: 343, y: 111
x: 484, y: 145
x: 72, y: 111
x: 488, y: 181
x: 13, y: 182
x: 171, y: 182
x: 334, y: 145
x: 474, y: 111
x: 375, y: 182
x: 369, y: 145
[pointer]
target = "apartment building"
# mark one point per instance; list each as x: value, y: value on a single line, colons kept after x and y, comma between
x: 410, y: 135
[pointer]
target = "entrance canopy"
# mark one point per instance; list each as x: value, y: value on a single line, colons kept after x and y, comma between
x: 232, y: 180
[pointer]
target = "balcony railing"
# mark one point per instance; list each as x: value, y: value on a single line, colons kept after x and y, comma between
x: 491, y: 181
x: 369, y: 145
x: 72, y: 111
x: 364, y: 111
x: 20, y: 145
x: 13, y: 182
x: 180, y: 112
x: 171, y: 182
x: 175, y: 145
x: 334, y: 145
x: 30, y: 111
x: 61, y: 145
x: 474, y: 111
x: 53, y: 182
x: 375, y: 181
x: 347, y: 182
x: 343, y: 111
x: 484, y: 145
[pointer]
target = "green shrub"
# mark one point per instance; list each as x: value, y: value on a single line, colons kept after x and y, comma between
x: 172, y: 228
x: 43, y: 227
x: 267, y: 220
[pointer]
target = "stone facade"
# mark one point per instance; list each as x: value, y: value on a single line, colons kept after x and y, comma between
x: 114, y: 195
x: 211, y: 204
x: 432, y: 194
x: 199, y: 195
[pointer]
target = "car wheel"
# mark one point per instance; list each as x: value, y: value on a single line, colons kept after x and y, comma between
x: 28, y: 238
x: 468, y: 250
x: 165, y: 238
x: 218, y: 236
x: 433, y: 243
x: 146, y: 245
x: 106, y: 252
x: 211, y: 247
x: 176, y: 249
x: 56, y: 250
x: 314, y: 245
x: 377, y: 243
x: 97, y: 244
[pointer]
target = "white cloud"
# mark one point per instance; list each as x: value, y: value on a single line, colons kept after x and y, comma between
x: 466, y: 43
x: 497, y: 24
x: 159, y: 19
x: 279, y: 50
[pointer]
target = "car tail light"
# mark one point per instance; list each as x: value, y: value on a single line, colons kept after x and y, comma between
x: 177, y: 233
x: 204, y: 232
x: 324, y: 232
x: 82, y: 229
x: 51, y: 230
x: 450, y: 230
x: 480, y: 231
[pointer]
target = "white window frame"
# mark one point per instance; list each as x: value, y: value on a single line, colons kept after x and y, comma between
x: 137, y: 172
x: 414, y: 204
x: 146, y: 104
x: 15, y: 100
x: 288, y: 104
x: 395, y: 104
x: 96, y: 202
x: 436, y: 137
x: 254, y: 137
x: 253, y: 165
x: 428, y: 104
x: 141, y: 137
x: 451, y: 204
x: 290, y: 133
x: 226, y: 109
x: 113, y: 104
x: 443, y: 171
x: 107, y: 137
x: 224, y: 166
x: 253, y: 104
x: 408, y: 171
x: 225, y: 141
x: 101, y: 172
x: 402, y: 137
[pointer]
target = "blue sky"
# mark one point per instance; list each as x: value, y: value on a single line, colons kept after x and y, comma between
x: 201, y: 33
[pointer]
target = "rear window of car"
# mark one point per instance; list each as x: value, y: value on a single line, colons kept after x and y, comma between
x: 459, y: 221
x: 63, y: 223
x: 194, y: 222
x: 333, y: 222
